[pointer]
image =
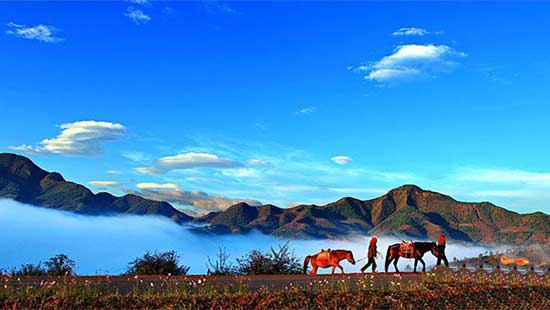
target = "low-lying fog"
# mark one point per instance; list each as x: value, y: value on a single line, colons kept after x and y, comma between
x: 102, y: 244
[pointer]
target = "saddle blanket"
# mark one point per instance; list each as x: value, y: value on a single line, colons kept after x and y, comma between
x: 406, y: 249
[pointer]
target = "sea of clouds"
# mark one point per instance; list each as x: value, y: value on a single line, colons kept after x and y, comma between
x: 106, y: 244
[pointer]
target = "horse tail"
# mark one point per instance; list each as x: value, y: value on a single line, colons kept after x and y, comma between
x: 306, y: 262
x: 387, y: 263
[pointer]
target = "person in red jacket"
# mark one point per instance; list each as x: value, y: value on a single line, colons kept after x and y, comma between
x: 441, y: 244
x: 371, y: 255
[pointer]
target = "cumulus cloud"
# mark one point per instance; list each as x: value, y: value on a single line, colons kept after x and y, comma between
x: 384, y: 75
x: 104, y: 183
x: 83, y: 138
x: 341, y: 160
x: 43, y: 33
x: 409, y: 61
x: 188, y: 161
x: 137, y: 16
x: 306, y: 110
x: 410, y: 31
x: 201, y: 202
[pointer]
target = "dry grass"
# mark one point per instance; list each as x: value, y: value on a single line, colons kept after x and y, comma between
x: 438, y: 290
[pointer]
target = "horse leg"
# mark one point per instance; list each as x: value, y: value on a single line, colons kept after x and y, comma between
x: 423, y: 264
x: 333, y: 267
x: 395, y: 264
x: 313, y: 269
x: 388, y: 262
x: 415, y: 264
x: 340, y: 267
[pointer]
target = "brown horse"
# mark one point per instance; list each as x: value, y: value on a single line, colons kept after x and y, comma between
x: 420, y: 248
x: 328, y: 258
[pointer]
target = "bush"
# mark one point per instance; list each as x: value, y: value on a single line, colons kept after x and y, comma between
x: 164, y: 263
x: 30, y: 270
x: 275, y: 261
x: 221, y: 266
x: 60, y: 265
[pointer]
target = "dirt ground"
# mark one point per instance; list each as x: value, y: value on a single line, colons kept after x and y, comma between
x: 252, y: 283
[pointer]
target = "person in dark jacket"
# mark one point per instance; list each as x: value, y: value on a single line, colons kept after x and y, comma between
x: 441, y: 244
x: 371, y: 255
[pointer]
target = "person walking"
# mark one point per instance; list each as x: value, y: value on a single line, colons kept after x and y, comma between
x: 371, y: 255
x: 441, y: 244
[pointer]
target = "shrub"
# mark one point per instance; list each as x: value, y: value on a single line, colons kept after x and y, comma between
x: 221, y: 265
x: 60, y: 265
x: 164, y: 263
x: 30, y: 270
x: 255, y: 262
x: 275, y: 261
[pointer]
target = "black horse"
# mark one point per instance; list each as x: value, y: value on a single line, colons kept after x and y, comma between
x: 418, y: 251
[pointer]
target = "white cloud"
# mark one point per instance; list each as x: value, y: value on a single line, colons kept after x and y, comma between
x: 409, y: 61
x: 405, y: 54
x: 114, y: 172
x: 137, y: 16
x: 188, y: 161
x: 257, y: 162
x: 385, y: 75
x: 201, y: 202
x: 142, y: 2
x: 503, y: 176
x: 503, y: 193
x: 104, y: 183
x: 242, y: 173
x: 341, y: 160
x: 147, y: 170
x: 43, y: 33
x: 156, y: 186
x: 410, y: 31
x: 217, y: 7
x: 306, y: 110
x: 138, y: 157
x: 83, y: 138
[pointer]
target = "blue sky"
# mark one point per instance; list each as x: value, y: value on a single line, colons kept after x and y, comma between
x: 207, y: 103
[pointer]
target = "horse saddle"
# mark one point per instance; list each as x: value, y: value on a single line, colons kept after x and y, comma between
x: 324, y: 254
x: 406, y: 249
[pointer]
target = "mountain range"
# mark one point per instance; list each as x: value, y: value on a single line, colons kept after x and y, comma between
x: 404, y: 211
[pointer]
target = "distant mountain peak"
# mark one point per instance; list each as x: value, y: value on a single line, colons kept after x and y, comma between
x: 405, y: 210
x: 24, y: 181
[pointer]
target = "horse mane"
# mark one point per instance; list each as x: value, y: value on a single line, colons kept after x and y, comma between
x: 340, y: 251
x: 424, y: 243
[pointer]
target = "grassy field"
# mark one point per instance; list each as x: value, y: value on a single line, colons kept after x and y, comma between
x: 442, y: 289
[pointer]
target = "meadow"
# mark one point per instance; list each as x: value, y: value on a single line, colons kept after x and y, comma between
x: 440, y: 289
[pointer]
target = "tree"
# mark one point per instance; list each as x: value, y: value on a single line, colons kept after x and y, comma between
x: 60, y: 265
x: 163, y: 263
x: 221, y: 265
x: 284, y: 260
